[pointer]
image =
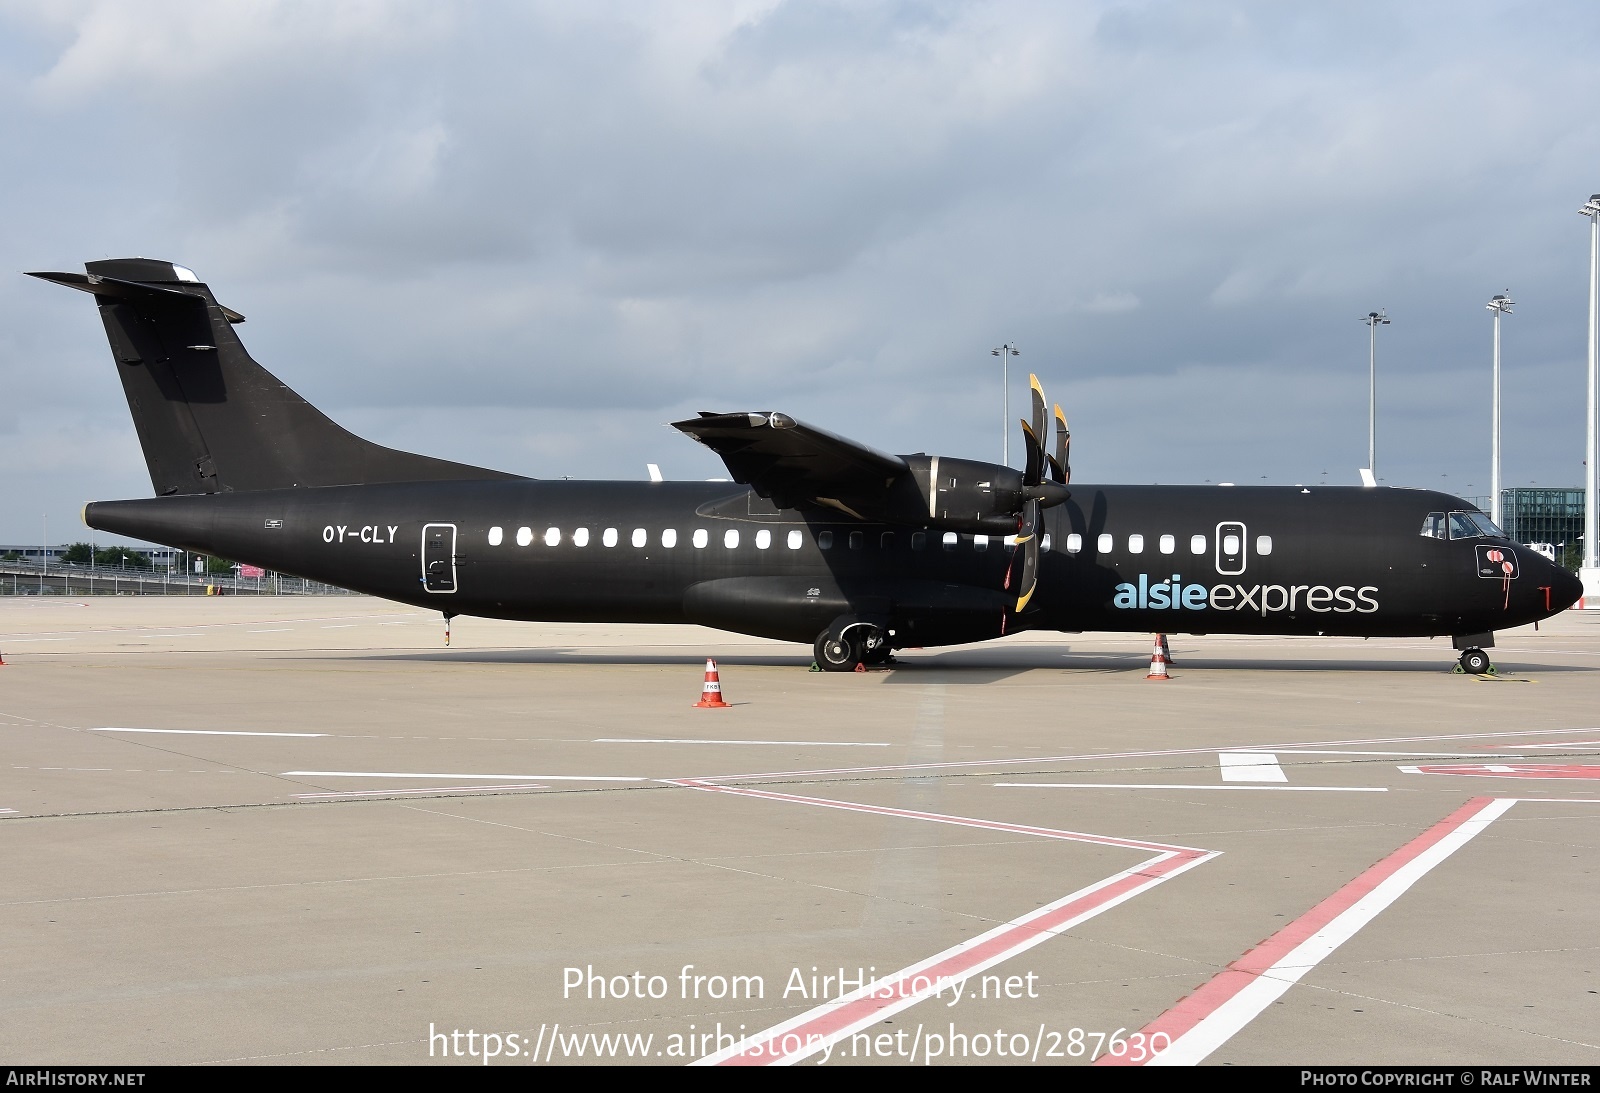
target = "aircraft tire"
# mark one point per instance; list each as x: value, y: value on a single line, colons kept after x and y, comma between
x: 1474, y: 662
x: 837, y: 654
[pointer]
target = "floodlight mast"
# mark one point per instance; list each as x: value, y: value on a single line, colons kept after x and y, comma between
x: 1005, y: 353
x: 1373, y: 319
x: 1499, y: 305
x: 1590, y: 571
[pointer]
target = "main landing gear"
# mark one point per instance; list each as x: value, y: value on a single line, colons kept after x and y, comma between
x: 1475, y: 662
x: 855, y: 644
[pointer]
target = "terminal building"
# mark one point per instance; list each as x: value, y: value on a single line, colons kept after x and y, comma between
x: 1547, y: 518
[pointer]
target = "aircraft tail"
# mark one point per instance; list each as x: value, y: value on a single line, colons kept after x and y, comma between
x: 212, y: 420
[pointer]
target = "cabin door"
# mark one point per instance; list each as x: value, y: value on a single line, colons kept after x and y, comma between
x: 439, y: 557
x: 1232, y: 548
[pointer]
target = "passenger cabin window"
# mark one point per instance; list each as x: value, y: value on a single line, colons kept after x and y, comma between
x: 919, y: 540
x: 496, y: 536
x: 950, y: 540
x: 825, y: 540
x: 886, y: 540
x: 1104, y: 544
x: 1230, y: 544
x: 794, y: 540
x: 763, y: 539
x: 1169, y: 543
x: 1197, y: 545
x: 1074, y: 543
x: 857, y: 540
x: 552, y: 536
x: 1044, y: 544
x: 1263, y: 544
x: 980, y: 542
x: 524, y: 536
x: 701, y: 538
x: 669, y: 538
x: 610, y: 537
x: 730, y: 538
x: 1433, y: 526
x: 1136, y: 544
x: 640, y: 537
x: 580, y: 537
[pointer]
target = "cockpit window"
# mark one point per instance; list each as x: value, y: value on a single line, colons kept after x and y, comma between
x: 1471, y: 525
x: 1433, y: 526
x: 1485, y: 525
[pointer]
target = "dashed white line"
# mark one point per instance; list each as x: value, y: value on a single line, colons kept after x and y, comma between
x: 1180, y: 785
x: 434, y: 790
x: 1250, y: 766
x: 212, y: 732
x: 770, y: 743
x: 460, y: 777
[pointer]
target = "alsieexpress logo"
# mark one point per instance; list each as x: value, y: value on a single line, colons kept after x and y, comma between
x: 1269, y: 599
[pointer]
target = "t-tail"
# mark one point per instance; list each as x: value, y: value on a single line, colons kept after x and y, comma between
x: 212, y: 420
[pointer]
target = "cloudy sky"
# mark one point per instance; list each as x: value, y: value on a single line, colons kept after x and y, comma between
x: 527, y: 235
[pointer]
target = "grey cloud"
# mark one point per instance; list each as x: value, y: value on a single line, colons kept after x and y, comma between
x: 535, y: 232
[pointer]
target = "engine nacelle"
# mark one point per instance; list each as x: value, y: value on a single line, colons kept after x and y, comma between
x: 958, y: 495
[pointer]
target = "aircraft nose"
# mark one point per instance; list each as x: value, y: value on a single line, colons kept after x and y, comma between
x: 1565, y: 588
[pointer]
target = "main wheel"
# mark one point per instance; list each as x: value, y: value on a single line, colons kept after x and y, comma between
x: 837, y: 654
x: 1474, y: 662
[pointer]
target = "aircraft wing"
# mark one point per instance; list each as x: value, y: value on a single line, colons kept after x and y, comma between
x: 792, y: 464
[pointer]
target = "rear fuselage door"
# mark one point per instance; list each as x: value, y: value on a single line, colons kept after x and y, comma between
x: 439, y: 557
x: 1231, y: 548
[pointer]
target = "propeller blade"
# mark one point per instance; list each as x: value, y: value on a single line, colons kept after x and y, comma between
x: 1040, y: 417
x: 1028, y: 551
x: 1060, y: 468
x: 1033, y: 469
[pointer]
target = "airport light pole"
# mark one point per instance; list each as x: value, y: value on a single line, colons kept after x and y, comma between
x: 1373, y: 319
x: 1500, y: 305
x: 1005, y: 353
x: 1589, y: 573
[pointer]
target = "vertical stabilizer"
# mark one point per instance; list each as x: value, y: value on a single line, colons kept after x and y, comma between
x: 210, y: 419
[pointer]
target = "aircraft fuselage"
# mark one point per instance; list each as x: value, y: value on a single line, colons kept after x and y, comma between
x: 1169, y: 559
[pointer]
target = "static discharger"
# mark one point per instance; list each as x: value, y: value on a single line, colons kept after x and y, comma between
x: 1158, y: 659
x: 711, y: 693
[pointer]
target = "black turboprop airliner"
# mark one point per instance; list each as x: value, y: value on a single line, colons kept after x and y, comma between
x: 824, y: 540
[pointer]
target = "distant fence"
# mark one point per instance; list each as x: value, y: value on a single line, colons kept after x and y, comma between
x: 33, y: 579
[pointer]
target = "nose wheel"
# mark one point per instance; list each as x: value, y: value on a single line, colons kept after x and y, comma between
x: 1475, y: 662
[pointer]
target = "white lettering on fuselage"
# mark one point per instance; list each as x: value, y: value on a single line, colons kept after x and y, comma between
x: 381, y: 534
x: 1267, y: 599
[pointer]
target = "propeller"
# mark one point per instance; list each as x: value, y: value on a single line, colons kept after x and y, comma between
x: 1037, y: 493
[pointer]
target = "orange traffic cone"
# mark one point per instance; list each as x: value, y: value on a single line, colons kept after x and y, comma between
x: 711, y: 694
x: 1158, y: 660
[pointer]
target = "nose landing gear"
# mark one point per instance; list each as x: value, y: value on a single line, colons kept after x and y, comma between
x: 1474, y: 661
